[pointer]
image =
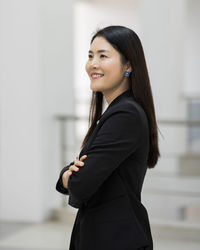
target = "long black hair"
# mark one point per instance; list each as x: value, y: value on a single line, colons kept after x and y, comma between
x: 128, y: 44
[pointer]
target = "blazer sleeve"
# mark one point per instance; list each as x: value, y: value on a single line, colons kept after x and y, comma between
x: 117, y: 138
x: 59, y: 185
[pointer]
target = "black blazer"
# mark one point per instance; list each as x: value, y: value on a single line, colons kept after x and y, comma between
x: 107, y: 189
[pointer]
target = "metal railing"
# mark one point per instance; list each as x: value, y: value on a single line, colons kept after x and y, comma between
x: 64, y: 119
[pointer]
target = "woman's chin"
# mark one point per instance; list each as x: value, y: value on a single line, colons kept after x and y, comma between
x: 95, y: 88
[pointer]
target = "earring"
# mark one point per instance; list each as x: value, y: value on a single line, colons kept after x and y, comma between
x: 127, y: 73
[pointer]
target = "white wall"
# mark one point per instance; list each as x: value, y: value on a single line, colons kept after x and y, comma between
x: 166, y: 27
x: 163, y: 30
x: 36, y: 83
x: 192, y: 50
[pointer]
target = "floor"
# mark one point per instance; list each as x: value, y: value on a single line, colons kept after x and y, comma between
x: 54, y: 235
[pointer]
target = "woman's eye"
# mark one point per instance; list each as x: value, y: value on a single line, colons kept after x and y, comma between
x: 90, y: 56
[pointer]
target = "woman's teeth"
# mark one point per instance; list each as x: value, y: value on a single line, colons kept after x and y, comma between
x: 96, y: 76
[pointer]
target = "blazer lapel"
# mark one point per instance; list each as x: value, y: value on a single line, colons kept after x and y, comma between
x: 105, y: 115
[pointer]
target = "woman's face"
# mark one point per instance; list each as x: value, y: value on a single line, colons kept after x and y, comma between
x: 104, y: 67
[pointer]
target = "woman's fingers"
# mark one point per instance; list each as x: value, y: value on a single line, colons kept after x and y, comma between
x: 83, y: 157
x: 77, y: 162
x: 80, y: 162
x: 69, y: 172
x: 66, y: 174
x: 73, y: 168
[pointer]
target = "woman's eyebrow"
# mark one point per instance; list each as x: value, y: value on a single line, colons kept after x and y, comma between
x: 99, y: 51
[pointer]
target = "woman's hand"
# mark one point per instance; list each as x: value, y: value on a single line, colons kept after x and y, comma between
x: 72, y: 168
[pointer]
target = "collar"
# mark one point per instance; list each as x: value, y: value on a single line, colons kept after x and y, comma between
x: 124, y: 94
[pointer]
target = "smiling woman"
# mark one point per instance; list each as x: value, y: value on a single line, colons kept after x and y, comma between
x: 103, y: 58
x: 119, y: 146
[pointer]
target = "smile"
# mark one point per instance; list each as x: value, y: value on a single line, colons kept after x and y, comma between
x: 96, y: 76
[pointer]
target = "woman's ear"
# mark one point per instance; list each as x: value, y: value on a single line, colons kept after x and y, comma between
x: 128, y: 67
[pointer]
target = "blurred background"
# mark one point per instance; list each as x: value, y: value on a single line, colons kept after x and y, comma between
x: 44, y: 107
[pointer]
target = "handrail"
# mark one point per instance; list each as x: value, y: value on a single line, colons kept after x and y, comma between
x: 161, y: 121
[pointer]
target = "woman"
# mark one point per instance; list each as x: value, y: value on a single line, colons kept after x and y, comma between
x: 105, y: 181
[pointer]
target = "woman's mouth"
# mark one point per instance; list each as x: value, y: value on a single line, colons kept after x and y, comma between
x: 96, y: 76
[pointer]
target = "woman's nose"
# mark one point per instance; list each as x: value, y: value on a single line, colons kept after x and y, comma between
x: 94, y: 63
